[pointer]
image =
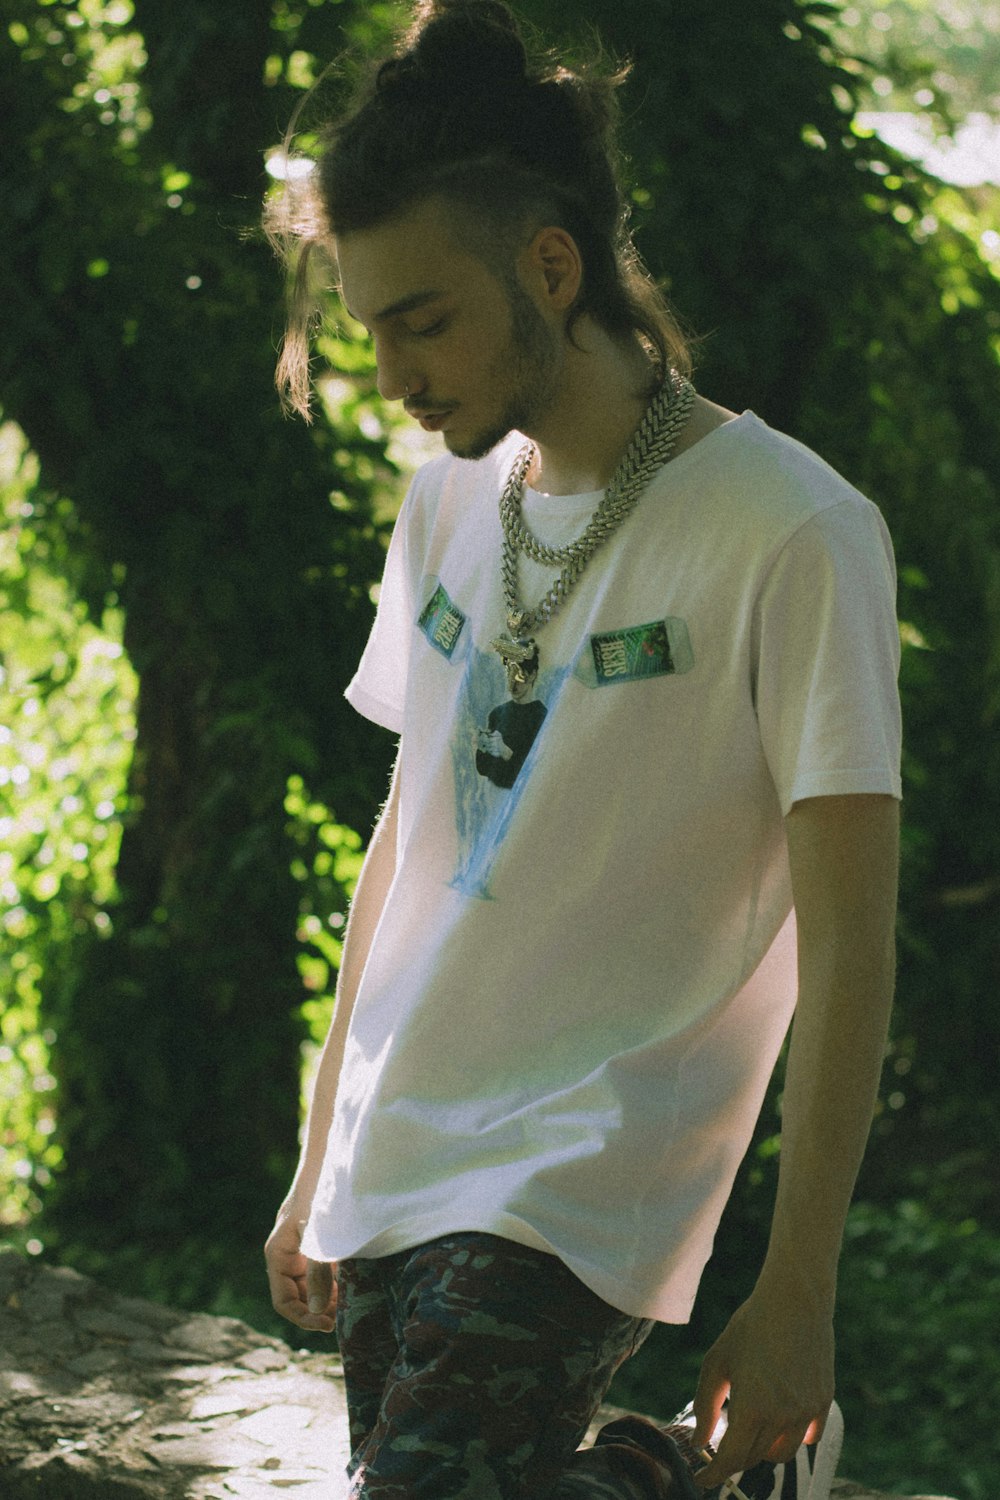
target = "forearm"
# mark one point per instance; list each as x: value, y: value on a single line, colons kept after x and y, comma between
x: 846, y: 973
x: 831, y: 1083
x: 370, y: 895
x: 775, y: 1358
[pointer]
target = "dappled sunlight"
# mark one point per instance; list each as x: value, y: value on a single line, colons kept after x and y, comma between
x: 286, y: 168
x: 968, y: 158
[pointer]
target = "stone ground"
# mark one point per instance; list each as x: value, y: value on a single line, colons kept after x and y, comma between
x: 110, y: 1398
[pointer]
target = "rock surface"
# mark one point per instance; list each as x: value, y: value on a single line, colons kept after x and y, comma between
x: 110, y: 1398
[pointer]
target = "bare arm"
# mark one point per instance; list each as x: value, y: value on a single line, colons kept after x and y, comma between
x: 302, y: 1290
x: 775, y: 1357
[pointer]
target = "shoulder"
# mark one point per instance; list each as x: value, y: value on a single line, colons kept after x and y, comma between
x: 706, y: 417
x: 789, y: 468
x: 775, y: 481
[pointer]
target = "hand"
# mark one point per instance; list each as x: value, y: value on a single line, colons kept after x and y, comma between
x: 774, y: 1360
x: 303, y: 1291
x: 492, y: 742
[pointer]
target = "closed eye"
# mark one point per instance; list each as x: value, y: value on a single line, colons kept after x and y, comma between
x: 431, y: 329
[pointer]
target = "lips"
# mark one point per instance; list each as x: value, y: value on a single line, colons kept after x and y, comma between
x: 431, y: 421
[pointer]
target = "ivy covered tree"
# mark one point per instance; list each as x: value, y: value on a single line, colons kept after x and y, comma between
x: 138, y: 354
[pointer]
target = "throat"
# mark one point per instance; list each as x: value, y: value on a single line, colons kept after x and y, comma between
x: 584, y: 432
x: 570, y: 470
x: 584, y: 458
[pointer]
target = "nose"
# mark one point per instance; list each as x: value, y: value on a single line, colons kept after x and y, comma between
x: 393, y: 378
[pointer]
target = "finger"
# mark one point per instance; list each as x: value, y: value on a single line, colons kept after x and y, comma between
x: 286, y: 1276
x: 744, y: 1450
x: 320, y: 1287
x: 814, y: 1431
x: 785, y: 1447
x: 287, y: 1293
x: 287, y: 1265
x: 284, y: 1260
x: 288, y: 1299
x: 790, y: 1440
x: 742, y: 1446
x: 283, y: 1285
x: 709, y: 1399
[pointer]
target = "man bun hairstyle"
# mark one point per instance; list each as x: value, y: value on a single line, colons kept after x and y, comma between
x: 514, y: 143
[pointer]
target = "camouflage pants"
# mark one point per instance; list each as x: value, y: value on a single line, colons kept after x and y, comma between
x: 474, y: 1367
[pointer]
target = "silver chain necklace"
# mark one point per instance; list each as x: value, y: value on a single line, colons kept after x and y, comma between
x: 652, y: 444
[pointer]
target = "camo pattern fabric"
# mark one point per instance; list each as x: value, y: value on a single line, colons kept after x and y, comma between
x: 473, y: 1368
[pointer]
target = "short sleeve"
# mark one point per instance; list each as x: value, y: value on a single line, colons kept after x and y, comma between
x: 378, y: 687
x: 826, y: 658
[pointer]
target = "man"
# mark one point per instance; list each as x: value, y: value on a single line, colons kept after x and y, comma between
x: 503, y: 746
x: 563, y: 989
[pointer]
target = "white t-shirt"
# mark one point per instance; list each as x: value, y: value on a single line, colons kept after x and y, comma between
x: 585, y: 965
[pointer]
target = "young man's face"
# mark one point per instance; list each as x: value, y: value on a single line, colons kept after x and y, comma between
x: 470, y: 355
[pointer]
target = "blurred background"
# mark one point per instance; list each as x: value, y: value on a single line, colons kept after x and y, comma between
x: 186, y: 582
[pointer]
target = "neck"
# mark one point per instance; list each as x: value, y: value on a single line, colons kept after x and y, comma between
x: 583, y: 432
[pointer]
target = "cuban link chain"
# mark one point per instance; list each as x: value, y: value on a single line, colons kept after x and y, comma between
x: 652, y: 444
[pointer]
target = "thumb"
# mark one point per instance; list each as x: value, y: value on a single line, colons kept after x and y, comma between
x: 319, y: 1285
x: 709, y: 1399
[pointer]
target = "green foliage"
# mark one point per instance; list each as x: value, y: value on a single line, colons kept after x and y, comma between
x: 172, y: 904
x: 918, y: 54
x: 66, y: 727
x: 138, y: 359
x: 920, y: 1368
x: 917, y: 1366
x: 326, y: 864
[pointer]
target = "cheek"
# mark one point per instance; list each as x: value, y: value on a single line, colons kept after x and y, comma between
x: 472, y: 363
x: 476, y: 350
x: 482, y: 351
x: 461, y: 371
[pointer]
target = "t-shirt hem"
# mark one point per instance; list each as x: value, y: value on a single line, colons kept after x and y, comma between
x: 633, y: 1299
x: 387, y: 715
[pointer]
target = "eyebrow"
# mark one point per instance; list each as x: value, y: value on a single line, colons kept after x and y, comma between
x: 403, y: 305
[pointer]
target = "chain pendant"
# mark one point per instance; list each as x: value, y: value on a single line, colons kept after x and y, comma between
x: 519, y: 654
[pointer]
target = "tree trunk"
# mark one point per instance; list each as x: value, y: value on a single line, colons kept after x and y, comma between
x: 146, y: 389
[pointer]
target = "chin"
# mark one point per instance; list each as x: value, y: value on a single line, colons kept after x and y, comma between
x: 478, y: 444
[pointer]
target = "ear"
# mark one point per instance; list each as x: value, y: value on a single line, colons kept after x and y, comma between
x: 554, y: 267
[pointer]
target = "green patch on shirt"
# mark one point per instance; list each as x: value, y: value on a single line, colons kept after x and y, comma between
x: 639, y: 651
x: 441, y: 622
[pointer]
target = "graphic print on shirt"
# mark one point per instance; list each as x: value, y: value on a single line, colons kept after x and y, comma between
x: 511, y: 728
x: 495, y: 743
x: 505, y: 744
x: 656, y: 649
x: 441, y: 621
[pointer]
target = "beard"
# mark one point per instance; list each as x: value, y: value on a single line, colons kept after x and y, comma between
x: 525, y: 374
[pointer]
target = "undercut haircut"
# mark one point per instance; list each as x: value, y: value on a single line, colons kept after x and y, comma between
x: 512, y: 144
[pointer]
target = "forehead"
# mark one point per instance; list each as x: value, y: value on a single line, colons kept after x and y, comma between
x: 405, y: 262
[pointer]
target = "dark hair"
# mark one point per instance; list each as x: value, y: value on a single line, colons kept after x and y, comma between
x: 461, y: 111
